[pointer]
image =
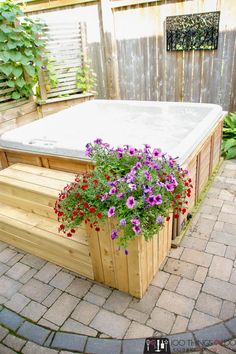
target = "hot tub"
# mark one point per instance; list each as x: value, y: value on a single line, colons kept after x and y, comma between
x: 189, y: 131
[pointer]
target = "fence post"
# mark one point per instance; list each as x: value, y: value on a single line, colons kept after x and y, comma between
x: 110, y: 49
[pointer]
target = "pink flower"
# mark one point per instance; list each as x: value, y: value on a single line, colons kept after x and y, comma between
x: 130, y: 203
x: 111, y: 211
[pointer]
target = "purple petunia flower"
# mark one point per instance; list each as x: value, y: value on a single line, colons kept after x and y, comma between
x: 132, y: 186
x: 137, y: 165
x: 122, y: 222
x: 111, y: 184
x: 98, y: 141
x: 130, y: 177
x: 126, y: 252
x: 120, y: 195
x: 114, y: 234
x: 136, y: 229
x: 104, y: 197
x: 147, y: 175
x: 170, y: 187
x: 120, y: 152
x: 43, y: 67
x: 131, y: 151
x: 130, y: 203
x: 157, y: 153
x: 159, y: 219
x: 158, y: 199
x: 112, y: 190
x: 135, y: 222
x: 151, y: 200
x: 160, y: 184
x: 146, y: 189
x: 111, y: 211
x: 89, y: 150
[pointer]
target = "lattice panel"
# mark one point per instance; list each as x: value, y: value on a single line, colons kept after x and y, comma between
x: 66, y: 46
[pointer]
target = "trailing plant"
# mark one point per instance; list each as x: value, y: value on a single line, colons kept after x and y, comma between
x: 138, y: 188
x: 86, y: 79
x: 229, y: 136
x: 21, y: 47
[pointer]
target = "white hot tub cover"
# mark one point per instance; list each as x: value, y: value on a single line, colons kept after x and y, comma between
x: 176, y: 128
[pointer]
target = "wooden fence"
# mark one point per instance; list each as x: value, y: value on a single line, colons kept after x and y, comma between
x: 130, y: 58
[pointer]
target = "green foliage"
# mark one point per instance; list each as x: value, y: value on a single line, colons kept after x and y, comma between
x: 21, y: 49
x: 229, y: 136
x: 86, y: 79
x: 136, y: 188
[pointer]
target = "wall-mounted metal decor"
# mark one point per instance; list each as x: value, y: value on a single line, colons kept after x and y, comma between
x: 196, y: 31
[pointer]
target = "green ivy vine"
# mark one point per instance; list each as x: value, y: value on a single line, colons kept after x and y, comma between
x: 21, y: 47
x: 86, y: 79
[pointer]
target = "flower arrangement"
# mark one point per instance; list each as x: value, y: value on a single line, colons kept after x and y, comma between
x: 138, y: 188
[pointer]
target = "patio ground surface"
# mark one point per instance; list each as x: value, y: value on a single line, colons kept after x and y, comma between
x: 195, y: 289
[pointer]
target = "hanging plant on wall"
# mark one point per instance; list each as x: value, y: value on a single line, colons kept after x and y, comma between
x: 21, y: 48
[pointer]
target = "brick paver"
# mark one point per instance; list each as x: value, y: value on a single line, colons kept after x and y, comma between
x: 196, y: 288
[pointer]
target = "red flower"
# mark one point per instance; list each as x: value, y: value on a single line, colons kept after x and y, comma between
x: 77, y: 195
x: 97, y: 228
x: 81, y: 213
x: 178, y: 196
x: 97, y: 196
x: 72, y: 231
x: 69, y: 234
x: 99, y: 215
x: 168, y: 218
x: 86, y: 205
x: 176, y: 216
x: 75, y: 213
x: 60, y: 213
x: 184, y: 210
x: 95, y: 182
x: 84, y: 187
x: 92, y: 210
x: 61, y: 227
x: 180, y: 203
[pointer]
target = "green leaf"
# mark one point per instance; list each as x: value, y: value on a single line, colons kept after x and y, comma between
x: 30, y: 70
x: 5, y: 56
x: 2, y: 37
x: 12, y: 45
x: 10, y: 83
x: 10, y: 16
x: 17, y: 71
x: 231, y: 153
x: 6, y: 29
x: 14, y: 36
x: 20, y: 82
x: 229, y: 143
x: 6, y: 69
x: 28, y: 52
x: 25, y: 60
x: 15, y: 95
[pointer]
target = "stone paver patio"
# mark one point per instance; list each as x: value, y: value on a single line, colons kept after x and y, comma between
x: 196, y: 288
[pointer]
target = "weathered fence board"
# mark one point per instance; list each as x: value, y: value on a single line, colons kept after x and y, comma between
x: 146, y: 71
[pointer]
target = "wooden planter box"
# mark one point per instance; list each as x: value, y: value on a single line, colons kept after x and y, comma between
x: 28, y: 222
x: 130, y: 273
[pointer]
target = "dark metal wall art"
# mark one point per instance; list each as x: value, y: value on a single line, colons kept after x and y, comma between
x: 192, y: 32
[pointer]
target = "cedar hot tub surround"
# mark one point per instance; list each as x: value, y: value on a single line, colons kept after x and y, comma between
x: 191, y: 131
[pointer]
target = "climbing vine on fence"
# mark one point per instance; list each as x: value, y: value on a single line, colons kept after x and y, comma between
x: 21, y: 49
